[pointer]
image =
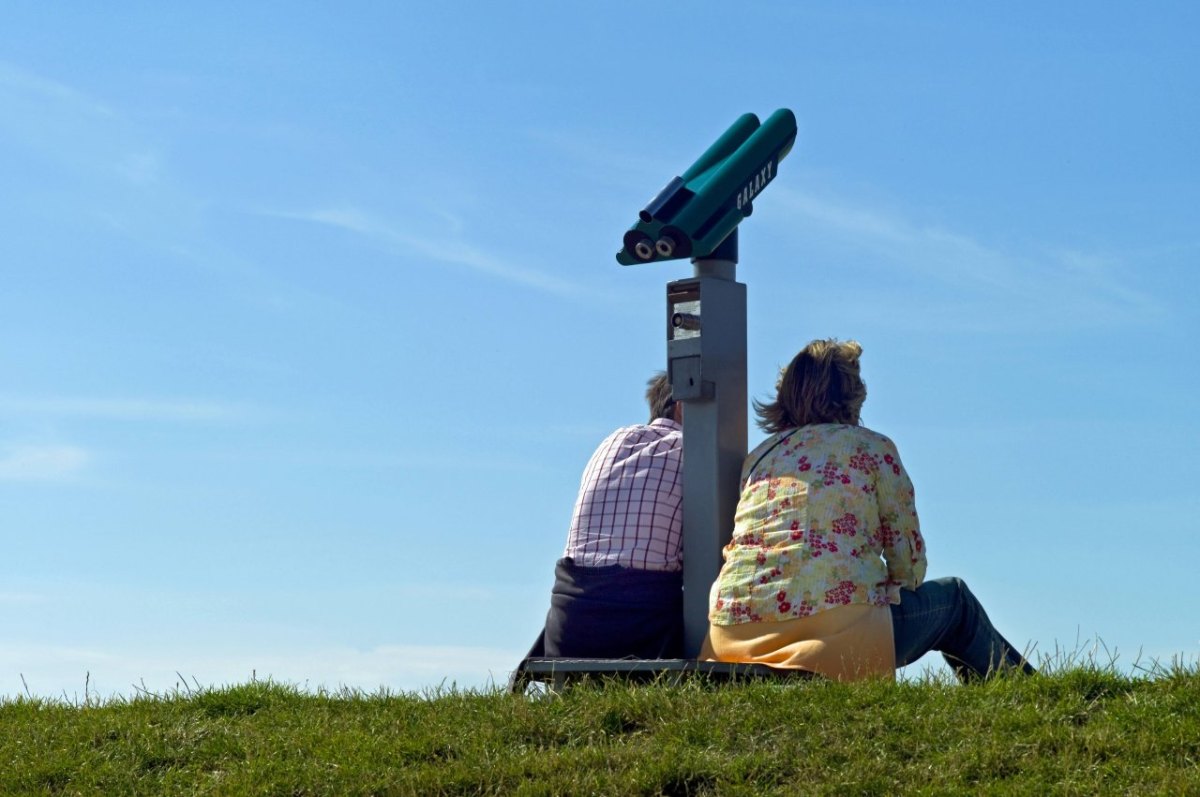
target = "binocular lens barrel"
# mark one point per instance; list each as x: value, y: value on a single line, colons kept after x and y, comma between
x: 643, y: 249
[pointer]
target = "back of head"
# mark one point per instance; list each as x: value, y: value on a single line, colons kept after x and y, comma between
x: 822, y: 384
x: 658, y: 396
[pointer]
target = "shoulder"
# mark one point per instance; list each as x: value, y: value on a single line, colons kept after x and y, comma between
x: 664, y: 429
x: 762, y: 452
x: 645, y: 433
x: 878, y: 445
x: 766, y: 445
x: 846, y: 437
x: 870, y: 436
x: 664, y: 425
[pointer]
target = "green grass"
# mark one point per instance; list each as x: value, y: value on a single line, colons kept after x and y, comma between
x: 1081, y: 730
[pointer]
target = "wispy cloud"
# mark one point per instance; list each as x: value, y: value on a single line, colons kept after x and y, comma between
x: 450, y: 251
x: 112, y: 152
x: 54, y: 671
x: 124, y: 409
x: 63, y: 124
x: 41, y: 462
x: 1039, y: 283
x: 448, y: 458
x: 607, y: 164
x: 140, y: 168
x: 20, y: 598
x: 16, y: 79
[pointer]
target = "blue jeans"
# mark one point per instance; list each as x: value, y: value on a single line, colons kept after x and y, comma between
x: 944, y: 615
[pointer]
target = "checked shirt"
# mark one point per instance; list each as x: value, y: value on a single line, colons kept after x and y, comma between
x: 629, y: 509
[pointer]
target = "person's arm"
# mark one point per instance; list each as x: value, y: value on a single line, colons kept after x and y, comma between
x: 903, y: 546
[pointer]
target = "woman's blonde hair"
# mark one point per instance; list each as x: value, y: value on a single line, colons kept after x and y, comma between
x: 820, y: 385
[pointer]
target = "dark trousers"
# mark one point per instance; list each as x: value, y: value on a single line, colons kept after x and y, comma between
x: 944, y: 615
x: 613, y: 612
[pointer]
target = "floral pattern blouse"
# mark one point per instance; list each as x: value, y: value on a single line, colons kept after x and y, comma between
x: 826, y: 518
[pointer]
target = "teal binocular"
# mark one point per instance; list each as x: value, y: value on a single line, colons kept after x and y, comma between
x: 695, y: 212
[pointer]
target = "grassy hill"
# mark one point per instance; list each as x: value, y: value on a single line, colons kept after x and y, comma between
x: 1076, y: 731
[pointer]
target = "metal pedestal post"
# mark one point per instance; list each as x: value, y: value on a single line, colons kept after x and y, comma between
x: 706, y: 363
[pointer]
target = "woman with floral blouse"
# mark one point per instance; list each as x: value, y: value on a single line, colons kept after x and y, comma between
x: 825, y: 570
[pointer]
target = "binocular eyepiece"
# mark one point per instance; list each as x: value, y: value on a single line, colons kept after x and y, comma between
x: 667, y: 247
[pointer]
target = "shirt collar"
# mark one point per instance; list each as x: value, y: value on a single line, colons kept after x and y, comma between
x: 667, y: 423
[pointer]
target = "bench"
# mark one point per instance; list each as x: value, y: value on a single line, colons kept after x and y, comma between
x: 558, y: 673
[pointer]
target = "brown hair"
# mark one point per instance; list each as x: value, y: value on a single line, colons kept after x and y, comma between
x: 658, y: 396
x: 821, y: 385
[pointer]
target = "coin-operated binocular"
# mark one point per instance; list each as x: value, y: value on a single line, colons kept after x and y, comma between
x: 695, y: 212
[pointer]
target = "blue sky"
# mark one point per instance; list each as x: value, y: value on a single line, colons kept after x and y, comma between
x: 309, y: 318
